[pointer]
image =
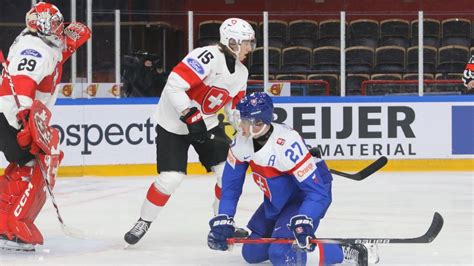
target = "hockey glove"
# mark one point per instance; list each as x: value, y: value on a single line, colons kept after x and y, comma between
x: 24, y: 139
x: 315, y: 152
x: 302, y: 228
x: 76, y: 34
x: 196, y: 126
x: 222, y: 227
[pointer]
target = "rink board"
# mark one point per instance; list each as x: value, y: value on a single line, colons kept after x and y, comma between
x: 117, y: 136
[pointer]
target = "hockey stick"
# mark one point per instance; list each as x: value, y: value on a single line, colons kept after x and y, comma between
x: 367, y: 171
x: 428, y: 237
x: 361, y: 175
x: 72, y: 232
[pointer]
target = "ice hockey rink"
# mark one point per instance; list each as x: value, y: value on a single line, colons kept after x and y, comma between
x: 386, y: 204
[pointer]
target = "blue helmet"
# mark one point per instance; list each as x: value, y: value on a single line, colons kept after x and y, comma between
x: 257, y: 106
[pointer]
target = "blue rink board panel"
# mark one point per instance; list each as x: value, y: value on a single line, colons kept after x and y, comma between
x: 462, y: 129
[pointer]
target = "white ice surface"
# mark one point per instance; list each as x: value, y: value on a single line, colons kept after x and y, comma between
x: 384, y: 205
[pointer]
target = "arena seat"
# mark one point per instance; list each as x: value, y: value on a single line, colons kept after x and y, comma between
x: 390, y: 59
x: 208, y: 32
x: 354, y: 82
x: 277, y: 33
x: 303, y: 33
x: 359, y: 59
x: 394, y: 32
x: 414, y: 76
x: 364, y: 32
x: 431, y: 32
x: 452, y: 58
x: 317, y: 89
x: 296, y: 59
x: 456, y: 31
x: 256, y: 61
x: 326, y: 59
x: 329, y: 33
x: 430, y: 59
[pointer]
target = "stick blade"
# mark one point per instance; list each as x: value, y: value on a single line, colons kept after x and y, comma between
x: 435, y: 228
x: 364, y: 173
x: 373, y: 167
x: 73, y: 232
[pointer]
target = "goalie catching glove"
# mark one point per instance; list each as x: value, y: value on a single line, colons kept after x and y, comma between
x: 76, y: 34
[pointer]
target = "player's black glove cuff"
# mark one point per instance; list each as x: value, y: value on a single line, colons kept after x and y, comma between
x: 196, y: 126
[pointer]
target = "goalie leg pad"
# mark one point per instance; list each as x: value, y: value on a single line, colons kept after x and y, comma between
x: 26, y: 208
x: 33, y: 198
x: 12, y: 185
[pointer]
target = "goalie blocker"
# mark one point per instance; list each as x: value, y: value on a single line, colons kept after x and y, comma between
x: 22, y: 187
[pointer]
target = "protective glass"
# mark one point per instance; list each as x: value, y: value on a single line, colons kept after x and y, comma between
x: 252, y: 43
x: 251, y: 122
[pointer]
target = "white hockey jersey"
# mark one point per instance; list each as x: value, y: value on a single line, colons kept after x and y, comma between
x: 203, y: 80
x: 35, y: 69
x: 283, y: 169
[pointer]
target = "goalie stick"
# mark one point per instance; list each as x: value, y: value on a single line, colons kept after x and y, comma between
x: 72, y: 232
x: 428, y: 237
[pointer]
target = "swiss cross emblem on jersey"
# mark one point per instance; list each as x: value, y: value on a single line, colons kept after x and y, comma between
x: 280, y: 141
x: 214, y: 100
x: 262, y: 184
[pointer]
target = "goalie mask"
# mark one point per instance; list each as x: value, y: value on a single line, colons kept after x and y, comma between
x: 235, y: 31
x: 256, y: 113
x: 47, y: 21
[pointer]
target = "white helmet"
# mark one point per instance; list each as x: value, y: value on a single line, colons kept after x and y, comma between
x: 238, y: 30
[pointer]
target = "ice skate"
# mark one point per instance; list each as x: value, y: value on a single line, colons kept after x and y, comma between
x: 355, y: 254
x: 373, y: 253
x: 240, y: 232
x: 360, y: 254
x: 15, y: 244
x: 137, y: 232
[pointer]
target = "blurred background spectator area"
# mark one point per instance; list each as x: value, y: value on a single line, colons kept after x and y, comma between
x: 304, y: 39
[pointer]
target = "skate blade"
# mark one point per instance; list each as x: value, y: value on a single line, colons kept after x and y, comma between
x: 9, y: 249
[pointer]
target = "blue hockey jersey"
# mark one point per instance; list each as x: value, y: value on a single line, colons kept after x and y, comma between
x: 283, y: 169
